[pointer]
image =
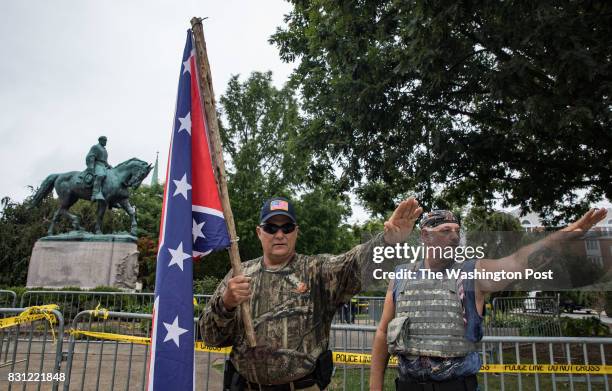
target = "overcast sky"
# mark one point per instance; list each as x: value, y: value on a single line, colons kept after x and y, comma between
x: 74, y: 70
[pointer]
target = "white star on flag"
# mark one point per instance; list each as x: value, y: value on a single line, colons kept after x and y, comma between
x: 185, y: 123
x: 187, y: 64
x: 196, y: 230
x: 174, y: 331
x: 178, y: 256
x: 182, y: 187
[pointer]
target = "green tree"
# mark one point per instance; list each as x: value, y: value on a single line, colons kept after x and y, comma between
x: 465, y: 99
x: 20, y: 227
x: 321, y: 213
x: 500, y: 233
x: 262, y: 124
x: 261, y: 135
x: 148, y: 203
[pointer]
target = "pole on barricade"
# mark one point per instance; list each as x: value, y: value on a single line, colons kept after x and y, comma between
x: 58, y: 348
x: 208, y: 101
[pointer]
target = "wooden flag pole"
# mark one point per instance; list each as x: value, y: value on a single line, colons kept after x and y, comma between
x: 208, y: 101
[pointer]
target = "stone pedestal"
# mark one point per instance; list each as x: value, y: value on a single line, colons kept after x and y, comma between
x: 84, y: 260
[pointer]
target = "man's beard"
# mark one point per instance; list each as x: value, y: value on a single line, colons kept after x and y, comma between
x: 439, y: 264
x: 444, y: 259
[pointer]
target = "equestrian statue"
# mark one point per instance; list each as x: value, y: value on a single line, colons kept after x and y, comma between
x: 99, y: 182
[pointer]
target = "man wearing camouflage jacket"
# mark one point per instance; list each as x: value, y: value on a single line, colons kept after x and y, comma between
x: 293, y: 299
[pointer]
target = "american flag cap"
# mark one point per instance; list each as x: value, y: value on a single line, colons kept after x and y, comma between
x: 276, y: 206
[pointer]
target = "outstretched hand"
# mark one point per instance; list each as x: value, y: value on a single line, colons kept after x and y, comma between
x: 587, y: 221
x: 401, y: 222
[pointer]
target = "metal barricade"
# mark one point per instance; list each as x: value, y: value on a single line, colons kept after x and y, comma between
x: 524, y: 316
x: 8, y: 299
x: 31, y: 353
x: 509, y: 362
x: 116, y: 364
x: 510, y: 316
x: 73, y: 302
x: 360, y: 310
x: 526, y: 363
x: 93, y: 363
x: 345, y: 340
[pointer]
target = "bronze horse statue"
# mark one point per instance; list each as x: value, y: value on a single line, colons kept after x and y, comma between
x: 72, y: 186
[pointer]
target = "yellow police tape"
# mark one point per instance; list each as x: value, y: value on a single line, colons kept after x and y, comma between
x: 366, y: 359
x: 548, y: 368
x: 358, y: 358
x: 31, y: 314
x: 101, y: 312
x: 199, y: 346
x: 19, y: 319
x: 112, y: 336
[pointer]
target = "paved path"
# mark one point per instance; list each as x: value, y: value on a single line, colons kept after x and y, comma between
x: 109, y: 366
x: 580, y: 315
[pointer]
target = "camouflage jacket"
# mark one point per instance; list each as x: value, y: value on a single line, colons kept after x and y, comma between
x: 292, y: 309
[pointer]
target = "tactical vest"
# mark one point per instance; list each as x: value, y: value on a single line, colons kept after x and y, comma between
x: 429, y: 319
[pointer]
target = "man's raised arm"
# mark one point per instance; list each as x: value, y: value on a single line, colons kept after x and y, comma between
x: 343, y: 272
x: 538, y: 253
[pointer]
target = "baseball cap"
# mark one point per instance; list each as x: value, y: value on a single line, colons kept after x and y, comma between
x: 438, y: 217
x: 276, y: 206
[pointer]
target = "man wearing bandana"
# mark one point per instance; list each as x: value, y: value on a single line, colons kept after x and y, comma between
x: 433, y: 325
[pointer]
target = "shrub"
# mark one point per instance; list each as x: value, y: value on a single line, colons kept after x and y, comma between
x: 586, y: 327
x: 205, y: 286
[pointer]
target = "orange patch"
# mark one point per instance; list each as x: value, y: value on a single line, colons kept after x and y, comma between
x: 301, y: 288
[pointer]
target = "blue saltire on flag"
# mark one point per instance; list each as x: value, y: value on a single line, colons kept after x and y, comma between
x: 192, y: 224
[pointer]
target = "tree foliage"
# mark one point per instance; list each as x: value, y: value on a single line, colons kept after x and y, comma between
x: 262, y: 138
x: 20, y: 227
x: 501, y: 234
x: 464, y: 100
x: 148, y: 203
x: 261, y: 125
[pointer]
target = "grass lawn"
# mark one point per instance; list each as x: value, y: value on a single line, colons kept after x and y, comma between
x: 354, y: 378
x: 493, y: 382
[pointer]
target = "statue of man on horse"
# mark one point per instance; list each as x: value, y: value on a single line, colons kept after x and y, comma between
x: 100, y: 182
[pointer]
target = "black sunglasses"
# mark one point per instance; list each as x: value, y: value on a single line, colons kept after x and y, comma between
x: 273, y: 228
